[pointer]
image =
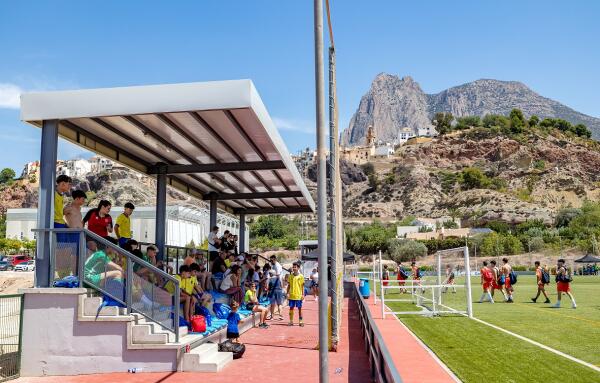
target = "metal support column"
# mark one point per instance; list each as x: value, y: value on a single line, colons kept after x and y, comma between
x: 242, y: 235
x: 468, y: 283
x: 212, y: 213
x: 161, y: 210
x: 333, y: 213
x: 45, y: 218
x: 321, y: 191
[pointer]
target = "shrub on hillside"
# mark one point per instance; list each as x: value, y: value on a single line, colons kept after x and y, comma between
x: 403, y: 250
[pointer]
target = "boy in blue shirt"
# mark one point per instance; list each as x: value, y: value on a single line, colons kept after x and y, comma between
x: 233, y: 319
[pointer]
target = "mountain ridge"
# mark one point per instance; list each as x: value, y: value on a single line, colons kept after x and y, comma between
x: 393, y: 103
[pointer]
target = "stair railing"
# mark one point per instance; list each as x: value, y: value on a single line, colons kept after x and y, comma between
x: 101, y: 265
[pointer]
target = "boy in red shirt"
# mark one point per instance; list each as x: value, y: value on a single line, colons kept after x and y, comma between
x: 487, y: 277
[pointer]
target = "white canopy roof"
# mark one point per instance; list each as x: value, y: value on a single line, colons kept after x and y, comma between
x: 213, y: 139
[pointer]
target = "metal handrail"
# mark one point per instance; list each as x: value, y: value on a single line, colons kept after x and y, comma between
x: 383, y: 369
x: 131, y: 259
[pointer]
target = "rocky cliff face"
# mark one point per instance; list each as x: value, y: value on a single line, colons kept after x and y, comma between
x: 119, y: 186
x: 539, y: 176
x: 393, y: 103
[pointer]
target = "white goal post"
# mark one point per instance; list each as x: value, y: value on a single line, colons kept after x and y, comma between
x: 428, y: 294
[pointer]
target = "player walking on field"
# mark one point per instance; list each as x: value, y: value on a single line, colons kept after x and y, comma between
x: 543, y: 278
x: 495, y: 283
x: 563, y: 283
x: 449, y: 279
x: 487, y: 277
x: 506, y: 269
x: 416, y: 274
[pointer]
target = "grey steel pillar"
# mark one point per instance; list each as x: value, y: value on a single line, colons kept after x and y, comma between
x: 333, y: 174
x: 212, y: 212
x: 242, y: 233
x: 161, y: 210
x: 45, y: 218
x: 321, y: 192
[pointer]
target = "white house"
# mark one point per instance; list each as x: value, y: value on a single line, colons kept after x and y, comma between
x: 100, y: 164
x: 405, y: 134
x: 78, y: 168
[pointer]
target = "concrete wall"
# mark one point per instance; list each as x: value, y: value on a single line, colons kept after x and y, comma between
x: 56, y: 343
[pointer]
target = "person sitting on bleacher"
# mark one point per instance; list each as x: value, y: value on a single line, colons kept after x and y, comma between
x: 186, y: 291
x: 199, y: 293
x: 231, y: 284
x: 251, y: 303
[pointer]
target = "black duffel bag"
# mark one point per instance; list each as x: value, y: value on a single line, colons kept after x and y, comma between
x: 237, y: 349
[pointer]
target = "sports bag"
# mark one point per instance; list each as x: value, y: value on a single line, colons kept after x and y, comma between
x: 221, y: 310
x: 545, y: 277
x: 205, y: 313
x: 69, y: 281
x: 198, y: 323
x: 513, y: 277
x: 501, y: 279
x: 237, y: 349
x: 403, y: 273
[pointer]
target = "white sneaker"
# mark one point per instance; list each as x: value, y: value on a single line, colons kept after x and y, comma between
x: 556, y: 305
x: 574, y: 305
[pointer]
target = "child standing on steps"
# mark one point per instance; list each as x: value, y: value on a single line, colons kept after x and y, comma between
x: 295, y: 292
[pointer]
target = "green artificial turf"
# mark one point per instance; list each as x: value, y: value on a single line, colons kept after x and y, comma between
x: 477, y: 353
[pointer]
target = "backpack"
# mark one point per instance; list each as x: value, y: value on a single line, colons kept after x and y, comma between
x: 198, y: 323
x: 403, y: 273
x: 545, y: 277
x: 69, y: 281
x: 221, y: 310
x: 419, y: 273
x: 565, y: 277
x: 237, y: 349
x: 513, y: 277
x: 501, y: 279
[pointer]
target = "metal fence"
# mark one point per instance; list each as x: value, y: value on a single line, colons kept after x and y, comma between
x: 383, y: 369
x: 11, y: 314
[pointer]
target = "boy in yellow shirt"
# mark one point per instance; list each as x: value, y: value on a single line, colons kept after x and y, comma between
x: 123, y: 225
x: 186, y: 291
x: 295, y: 293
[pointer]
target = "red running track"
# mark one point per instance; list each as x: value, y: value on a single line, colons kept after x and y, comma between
x: 278, y: 354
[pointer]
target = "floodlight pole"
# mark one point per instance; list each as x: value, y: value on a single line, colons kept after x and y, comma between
x: 321, y: 191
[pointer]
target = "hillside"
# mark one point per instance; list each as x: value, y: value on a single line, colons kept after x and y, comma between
x: 119, y: 186
x: 526, y: 177
x: 393, y: 103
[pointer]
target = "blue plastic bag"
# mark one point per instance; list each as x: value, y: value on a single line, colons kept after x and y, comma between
x: 221, y: 310
x: 70, y: 282
x: 205, y: 313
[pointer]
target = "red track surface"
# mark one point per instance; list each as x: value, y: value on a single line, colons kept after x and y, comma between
x: 414, y: 362
x: 278, y: 354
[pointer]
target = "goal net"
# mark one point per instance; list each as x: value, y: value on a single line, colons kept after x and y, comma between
x: 443, y: 289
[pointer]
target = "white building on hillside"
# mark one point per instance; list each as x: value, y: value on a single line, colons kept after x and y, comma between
x: 100, y: 164
x: 405, y: 134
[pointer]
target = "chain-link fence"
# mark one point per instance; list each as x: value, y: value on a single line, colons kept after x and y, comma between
x: 11, y: 313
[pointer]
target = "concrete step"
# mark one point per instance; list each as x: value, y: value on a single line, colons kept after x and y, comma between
x: 141, y: 334
x: 199, y: 361
x: 158, y: 329
x: 91, y: 305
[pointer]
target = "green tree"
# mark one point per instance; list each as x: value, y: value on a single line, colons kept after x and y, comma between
x: 406, y: 250
x: 512, y: 245
x: 369, y: 239
x: 467, y: 122
x: 6, y: 175
x: 566, y: 215
x: 517, y: 121
x: 368, y: 168
x: 2, y: 226
x: 496, y: 121
x: 582, y: 131
x: 473, y: 178
x: 443, y: 122
x: 491, y: 245
x: 534, y: 120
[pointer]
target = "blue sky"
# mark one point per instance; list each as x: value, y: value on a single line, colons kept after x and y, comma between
x: 44, y: 45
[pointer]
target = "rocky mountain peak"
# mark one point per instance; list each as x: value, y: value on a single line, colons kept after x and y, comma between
x: 393, y: 103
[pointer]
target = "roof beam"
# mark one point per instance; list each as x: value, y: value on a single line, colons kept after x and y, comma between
x: 259, y: 195
x: 275, y: 210
x: 220, y: 167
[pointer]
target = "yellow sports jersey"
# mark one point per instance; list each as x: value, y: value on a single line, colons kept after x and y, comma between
x: 58, y: 208
x: 124, y: 226
x: 185, y: 284
x: 250, y: 296
x: 296, y: 290
x: 227, y: 263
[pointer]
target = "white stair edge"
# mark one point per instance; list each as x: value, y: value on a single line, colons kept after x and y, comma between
x: 204, y: 351
x: 108, y: 314
x: 183, y: 341
x: 141, y: 334
x: 214, y: 363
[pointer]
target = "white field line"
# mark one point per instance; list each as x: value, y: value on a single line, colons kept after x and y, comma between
x: 433, y: 355
x: 547, y: 348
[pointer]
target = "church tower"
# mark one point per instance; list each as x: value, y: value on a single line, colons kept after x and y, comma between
x: 370, y: 136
